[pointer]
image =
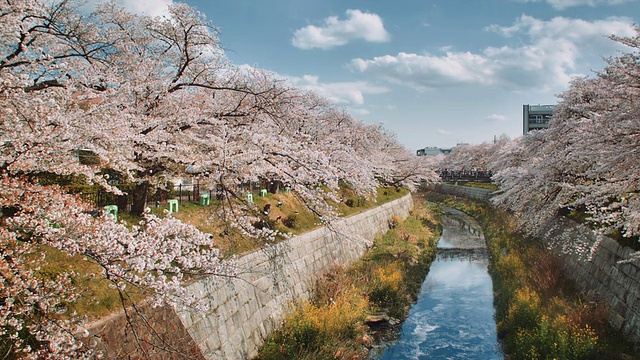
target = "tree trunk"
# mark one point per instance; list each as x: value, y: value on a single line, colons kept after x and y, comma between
x: 140, y: 198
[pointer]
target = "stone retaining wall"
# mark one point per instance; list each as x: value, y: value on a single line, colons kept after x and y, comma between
x: 247, y: 309
x: 600, y: 273
x: 244, y: 310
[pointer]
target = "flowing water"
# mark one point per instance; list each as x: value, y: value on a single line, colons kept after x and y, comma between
x: 454, y: 315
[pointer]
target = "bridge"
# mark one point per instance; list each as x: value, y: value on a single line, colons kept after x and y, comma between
x: 469, y: 254
x: 465, y: 175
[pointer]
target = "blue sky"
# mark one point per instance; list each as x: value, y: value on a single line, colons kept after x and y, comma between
x: 435, y: 72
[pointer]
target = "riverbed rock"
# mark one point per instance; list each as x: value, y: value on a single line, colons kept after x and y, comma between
x: 366, y: 340
x: 377, y: 319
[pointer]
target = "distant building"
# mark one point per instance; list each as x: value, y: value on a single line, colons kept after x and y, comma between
x: 433, y: 151
x: 536, y: 117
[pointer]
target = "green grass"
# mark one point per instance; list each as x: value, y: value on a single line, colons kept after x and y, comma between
x: 292, y: 217
x: 97, y: 297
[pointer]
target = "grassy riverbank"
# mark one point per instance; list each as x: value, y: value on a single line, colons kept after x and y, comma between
x: 100, y: 299
x: 539, y: 313
x: 382, y: 285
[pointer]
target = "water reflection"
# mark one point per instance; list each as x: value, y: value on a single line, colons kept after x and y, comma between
x: 460, y: 231
x: 453, y: 318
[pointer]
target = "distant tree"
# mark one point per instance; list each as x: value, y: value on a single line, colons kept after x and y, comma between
x: 467, y: 157
x: 392, y: 163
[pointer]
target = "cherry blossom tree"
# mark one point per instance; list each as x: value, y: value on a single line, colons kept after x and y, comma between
x: 149, y: 97
x: 465, y: 157
x: 392, y: 163
x: 603, y: 145
x: 60, y: 92
x: 586, y: 160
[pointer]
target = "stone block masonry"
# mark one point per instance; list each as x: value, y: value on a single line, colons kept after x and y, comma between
x: 601, y: 273
x: 245, y: 309
x: 159, y: 335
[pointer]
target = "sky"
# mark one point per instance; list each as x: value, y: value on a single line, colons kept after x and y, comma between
x: 434, y: 72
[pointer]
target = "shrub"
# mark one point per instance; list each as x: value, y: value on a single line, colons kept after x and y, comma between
x: 387, y: 289
x: 556, y: 339
x: 390, y: 276
x: 265, y: 223
x: 290, y: 221
x: 524, y: 311
x: 394, y: 221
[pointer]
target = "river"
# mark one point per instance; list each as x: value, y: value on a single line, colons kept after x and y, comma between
x: 454, y: 315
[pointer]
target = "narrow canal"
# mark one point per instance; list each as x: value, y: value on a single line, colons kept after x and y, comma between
x: 454, y: 315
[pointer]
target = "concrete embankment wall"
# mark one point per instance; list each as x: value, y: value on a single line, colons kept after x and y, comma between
x: 598, y: 273
x: 246, y: 308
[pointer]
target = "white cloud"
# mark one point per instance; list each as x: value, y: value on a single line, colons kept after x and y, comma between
x: 567, y: 28
x: 344, y: 93
x: 427, y: 71
x: 443, y: 132
x: 335, y: 32
x: 564, y: 4
x: 358, y: 111
x: 551, y: 53
x: 496, y: 117
x: 146, y: 7
x: 340, y: 93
